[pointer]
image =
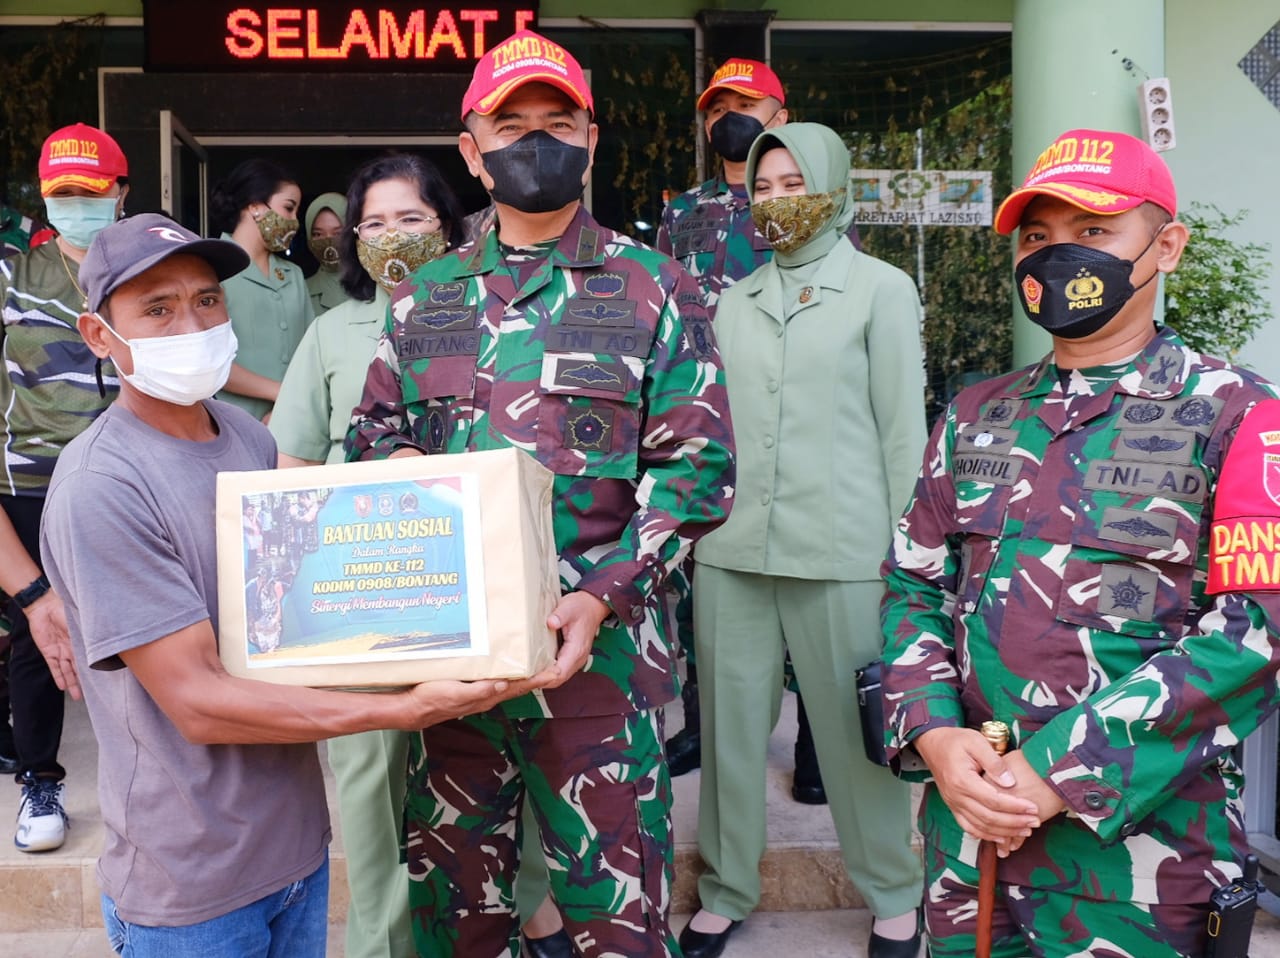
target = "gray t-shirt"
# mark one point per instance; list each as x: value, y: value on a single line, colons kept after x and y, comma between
x: 192, y: 831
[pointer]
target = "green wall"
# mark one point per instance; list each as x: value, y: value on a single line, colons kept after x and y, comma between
x: 1228, y: 132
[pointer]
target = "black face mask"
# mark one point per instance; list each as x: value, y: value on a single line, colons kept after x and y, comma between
x: 1072, y: 291
x: 732, y: 135
x: 537, y: 173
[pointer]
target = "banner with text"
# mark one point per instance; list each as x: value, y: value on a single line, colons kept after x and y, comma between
x: 921, y: 197
x: 363, y: 573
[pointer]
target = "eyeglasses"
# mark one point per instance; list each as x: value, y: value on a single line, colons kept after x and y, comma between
x: 409, y: 223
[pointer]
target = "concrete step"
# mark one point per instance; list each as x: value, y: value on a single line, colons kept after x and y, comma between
x: 58, y: 891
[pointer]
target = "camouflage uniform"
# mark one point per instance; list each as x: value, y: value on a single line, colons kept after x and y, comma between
x: 48, y: 396
x: 1050, y: 572
x: 593, y: 354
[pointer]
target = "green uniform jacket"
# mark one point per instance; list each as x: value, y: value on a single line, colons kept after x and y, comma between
x: 324, y: 286
x: 828, y: 415
x: 325, y: 379
x: 269, y: 315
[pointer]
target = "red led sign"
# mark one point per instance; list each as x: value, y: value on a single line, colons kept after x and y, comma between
x: 326, y: 36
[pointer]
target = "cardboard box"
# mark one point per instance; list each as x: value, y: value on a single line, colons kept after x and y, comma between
x: 384, y: 574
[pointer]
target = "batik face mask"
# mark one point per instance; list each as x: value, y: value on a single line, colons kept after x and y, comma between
x: 394, y: 254
x: 277, y: 231
x: 325, y: 250
x: 788, y: 222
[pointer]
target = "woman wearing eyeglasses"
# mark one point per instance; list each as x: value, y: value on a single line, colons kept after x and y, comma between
x: 400, y: 214
x: 256, y: 206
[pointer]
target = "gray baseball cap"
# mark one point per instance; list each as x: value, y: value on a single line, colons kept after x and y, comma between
x: 131, y: 246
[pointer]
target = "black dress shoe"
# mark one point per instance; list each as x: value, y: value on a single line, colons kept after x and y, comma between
x: 684, y: 752
x: 878, y: 947
x: 701, y: 944
x: 8, y: 764
x: 558, y: 945
x: 809, y: 794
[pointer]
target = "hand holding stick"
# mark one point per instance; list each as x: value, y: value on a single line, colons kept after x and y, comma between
x: 997, y: 733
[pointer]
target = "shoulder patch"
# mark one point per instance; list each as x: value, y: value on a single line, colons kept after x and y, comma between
x: 1244, y: 539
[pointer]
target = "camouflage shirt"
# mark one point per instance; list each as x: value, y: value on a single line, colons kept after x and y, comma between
x: 710, y: 231
x: 1050, y: 572
x: 48, y: 390
x: 596, y: 358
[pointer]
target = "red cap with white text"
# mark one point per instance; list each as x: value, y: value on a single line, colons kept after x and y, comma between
x: 748, y: 77
x: 524, y: 57
x: 80, y: 155
x: 1095, y: 170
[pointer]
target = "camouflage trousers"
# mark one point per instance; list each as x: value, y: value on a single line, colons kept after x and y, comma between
x: 1046, y: 924
x: 601, y: 796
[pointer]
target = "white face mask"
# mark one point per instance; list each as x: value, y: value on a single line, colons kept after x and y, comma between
x: 181, y: 369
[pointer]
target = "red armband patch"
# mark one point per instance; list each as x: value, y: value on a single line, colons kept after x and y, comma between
x: 1244, y: 539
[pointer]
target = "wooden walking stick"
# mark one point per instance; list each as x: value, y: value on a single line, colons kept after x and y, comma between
x: 997, y: 733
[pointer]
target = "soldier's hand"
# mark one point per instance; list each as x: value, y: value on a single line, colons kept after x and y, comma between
x: 977, y: 785
x: 47, y: 619
x: 432, y: 702
x: 1029, y: 785
x: 577, y: 617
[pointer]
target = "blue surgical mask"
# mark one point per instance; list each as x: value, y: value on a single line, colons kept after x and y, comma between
x: 78, y: 219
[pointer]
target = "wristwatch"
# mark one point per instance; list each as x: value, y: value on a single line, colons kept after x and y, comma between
x: 35, y: 590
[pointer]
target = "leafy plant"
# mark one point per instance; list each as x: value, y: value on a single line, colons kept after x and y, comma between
x: 1215, y: 298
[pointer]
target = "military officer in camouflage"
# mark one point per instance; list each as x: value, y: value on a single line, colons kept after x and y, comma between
x: 709, y: 228
x: 594, y: 354
x: 1050, y: 573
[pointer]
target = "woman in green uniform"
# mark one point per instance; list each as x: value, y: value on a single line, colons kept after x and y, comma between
x: 323, y: 225
x: 256, y: 206
x: 821, y: 350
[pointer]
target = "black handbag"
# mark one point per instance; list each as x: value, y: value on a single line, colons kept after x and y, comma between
x: 871, y: 711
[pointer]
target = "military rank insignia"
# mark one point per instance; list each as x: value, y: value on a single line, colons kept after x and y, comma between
x: 588, y: 430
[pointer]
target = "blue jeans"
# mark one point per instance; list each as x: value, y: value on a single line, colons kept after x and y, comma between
x: 290, y: 923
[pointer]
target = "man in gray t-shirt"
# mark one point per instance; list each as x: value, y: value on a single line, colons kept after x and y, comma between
x: 217, y: 826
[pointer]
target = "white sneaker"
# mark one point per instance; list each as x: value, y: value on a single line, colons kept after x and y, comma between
x: 42, y: 822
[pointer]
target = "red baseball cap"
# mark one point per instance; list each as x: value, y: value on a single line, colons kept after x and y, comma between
x: 1096, y: 170
x: 524, y: 57
x: 80, y: 155
x: 748, y: 77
